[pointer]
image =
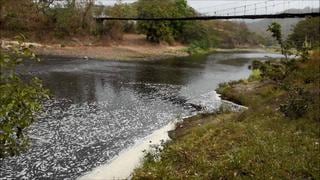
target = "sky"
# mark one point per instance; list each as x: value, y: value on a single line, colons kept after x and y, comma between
x: 219, y: 7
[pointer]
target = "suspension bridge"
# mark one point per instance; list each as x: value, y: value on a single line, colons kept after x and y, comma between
x: 261, y: 9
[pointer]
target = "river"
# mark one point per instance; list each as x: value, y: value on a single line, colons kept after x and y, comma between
x: 100, y: 108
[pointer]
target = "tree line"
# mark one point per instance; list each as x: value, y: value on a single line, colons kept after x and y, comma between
x: 63, y: 18
x: 67, y: 18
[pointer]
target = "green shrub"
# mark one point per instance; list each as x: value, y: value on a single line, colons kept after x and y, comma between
x: 273, y: 70
x: 20, y: 101
x: 297, y: 104
x: 196, y: 48
x: 255, y: 75
x: 256, y: 64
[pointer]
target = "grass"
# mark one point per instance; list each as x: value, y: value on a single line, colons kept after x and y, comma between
x: 260, y: 143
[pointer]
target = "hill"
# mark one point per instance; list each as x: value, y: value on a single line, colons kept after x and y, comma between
x: 287, y: 25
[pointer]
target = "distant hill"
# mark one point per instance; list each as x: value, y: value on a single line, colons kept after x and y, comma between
x: 261, y: 26
x: 287, y: 25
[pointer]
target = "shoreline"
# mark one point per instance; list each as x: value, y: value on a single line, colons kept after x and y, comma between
x: 134, y: 48
x: 122, y: 165
x: 136, y: 56
x: 260, y: 142
x: 123, y: 52
x: 115, y: 53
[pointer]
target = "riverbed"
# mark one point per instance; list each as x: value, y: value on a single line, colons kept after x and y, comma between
x: 100, y: 108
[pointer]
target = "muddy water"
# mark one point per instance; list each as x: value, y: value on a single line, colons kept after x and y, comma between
x: 102, y: 107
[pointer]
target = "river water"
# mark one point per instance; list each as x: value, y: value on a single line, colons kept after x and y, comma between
x: 100, y: 108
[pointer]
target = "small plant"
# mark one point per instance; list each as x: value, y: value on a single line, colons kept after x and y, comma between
x: 223, y: 87
x: 195, y: 48
x: 304, y: 52
x: 255, y: 75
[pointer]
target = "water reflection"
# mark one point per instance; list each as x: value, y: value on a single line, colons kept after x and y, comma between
x: 89, y: 81
x: 102, y: 107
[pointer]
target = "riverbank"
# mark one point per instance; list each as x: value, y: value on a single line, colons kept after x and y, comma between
x: 277, y: 137
x: 123, y: 53
x: 123, y: 165
x: 133, y: 47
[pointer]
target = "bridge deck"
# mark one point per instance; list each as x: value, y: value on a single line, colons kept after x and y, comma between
x: 262, y: 16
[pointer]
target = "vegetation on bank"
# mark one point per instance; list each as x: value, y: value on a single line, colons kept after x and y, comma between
x: 69, y: 20
x: 65, y: 19
x: 278, y: 137
x: 307, y: 30
x: 19, y: 100
x: 305, y: 37
x: 44, y: 18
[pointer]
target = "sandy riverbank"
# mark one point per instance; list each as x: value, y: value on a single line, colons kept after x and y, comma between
x: 132, y: 47
x: 120, y: 52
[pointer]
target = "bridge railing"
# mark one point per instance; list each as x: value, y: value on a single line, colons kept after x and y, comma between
x: 259, y: 16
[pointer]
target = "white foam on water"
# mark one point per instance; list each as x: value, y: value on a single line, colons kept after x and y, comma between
x: 209, y: 101
x: 123, y: 165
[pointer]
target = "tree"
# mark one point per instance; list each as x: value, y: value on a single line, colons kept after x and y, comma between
x: 115, y: 29
x: 275, y: 29
x: 20, y: 101
x: 168, y: 31
x: 180, y: 27
x: 155, y: 31
x: 306, y: 31
x: 87, y: 10
x: 19, y: 15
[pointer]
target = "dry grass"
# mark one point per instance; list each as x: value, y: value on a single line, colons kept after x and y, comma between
x: 260, y: 143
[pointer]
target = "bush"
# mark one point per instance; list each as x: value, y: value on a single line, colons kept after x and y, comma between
x: 20, y: 101
x: 297, y: 103
x: 197, y: 47
x: 255, y: 75
x: 256, y: 64
x: 275, y: 71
